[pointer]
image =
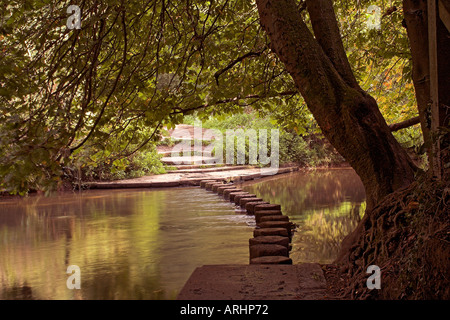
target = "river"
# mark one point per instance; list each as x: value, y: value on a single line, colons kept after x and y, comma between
x: 144, y: 244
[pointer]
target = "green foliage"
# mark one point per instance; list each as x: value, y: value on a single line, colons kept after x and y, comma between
x: 131, y: 69
x: 242, y: 125
x: 295, y: 149
x: 90, y: 164
x: 246, y: 120
x: 381, y: 59
x: 305, y: 150
x: 410, y: 137
x: 102, y: 93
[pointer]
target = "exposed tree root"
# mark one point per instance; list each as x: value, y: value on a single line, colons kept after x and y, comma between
x: 408, y: 236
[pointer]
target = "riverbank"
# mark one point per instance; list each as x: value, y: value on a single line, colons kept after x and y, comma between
x: 187, y: 178
x: 304, y: 281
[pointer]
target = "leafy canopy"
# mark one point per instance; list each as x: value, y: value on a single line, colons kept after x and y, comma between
x: 137, y: 66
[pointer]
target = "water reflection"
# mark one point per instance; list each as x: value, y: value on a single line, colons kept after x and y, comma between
x: 136, y: 244
x: 326, y: 204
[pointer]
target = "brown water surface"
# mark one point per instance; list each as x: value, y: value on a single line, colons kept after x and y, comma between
x: 129, y: 244
x: 144, y: 244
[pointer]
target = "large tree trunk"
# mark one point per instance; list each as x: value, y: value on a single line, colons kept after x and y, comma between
x: 415, y: 14
x: 349, y: 117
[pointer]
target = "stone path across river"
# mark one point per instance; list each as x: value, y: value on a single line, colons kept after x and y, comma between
x: 190, y: 178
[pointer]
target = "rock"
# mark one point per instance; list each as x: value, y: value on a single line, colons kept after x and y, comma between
x: 233, y: 194
x: 302, y: 281
x: 238, y: 198
x: 268, y: 206
x: 273, y: 218
x: 276, y: 224
x: 209, y: 185
x: 227, y: 192
x: 271, y: 260
x: 270, y: 232
x: 204, y: 182
x: 282, y: 241
x: 250, y: 206
x: 260, y: 250
x: 244, y: 201
x: 216, y: 186
x: 220, y: 190
x: 260, y: 214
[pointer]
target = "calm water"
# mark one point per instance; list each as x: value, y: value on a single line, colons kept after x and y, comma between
x: 325, y: 204
x: 129, y: 244
x: 144, y: 244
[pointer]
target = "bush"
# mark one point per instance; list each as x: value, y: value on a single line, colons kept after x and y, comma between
x: 294, y: 149
x: 144, y: 163
x: 91, y: 164
x: 309, y: 150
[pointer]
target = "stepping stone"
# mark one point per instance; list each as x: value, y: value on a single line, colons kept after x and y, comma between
x: 276, y: 224
x: 209, y: 186
x: 233, y: 194
x: 268, y: 207
x: 282, y: 241
x: 244, y: 201
x: 243, y: 196
x: 270, y: 232
x: 215, y: 187
x: 271, y: 260
x: 204, y: 182
x: 273, y: 218
x: 227, y: 192
x: 260, y: 250
x: 220, y: 190
x: 260, y: 214
x: 250, y: 206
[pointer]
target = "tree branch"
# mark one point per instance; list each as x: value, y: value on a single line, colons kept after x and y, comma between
x: 404, y: 124
x: 114, y: 86
x: 235, y: 99
x: 236, y: 61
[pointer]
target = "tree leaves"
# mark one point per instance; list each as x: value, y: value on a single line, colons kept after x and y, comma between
x: 136, y: 66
